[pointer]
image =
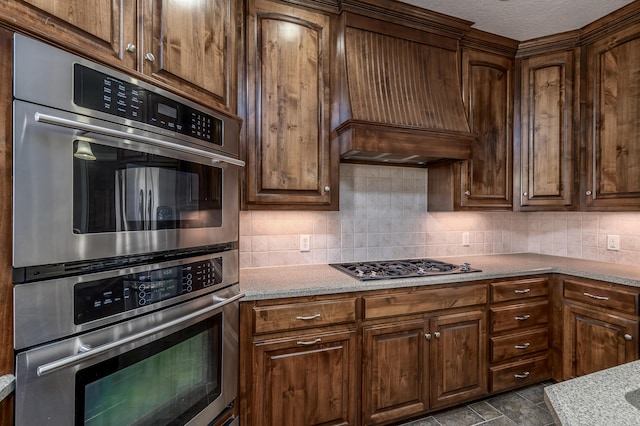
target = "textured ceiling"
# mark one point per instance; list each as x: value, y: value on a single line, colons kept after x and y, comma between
x: 524, y: 19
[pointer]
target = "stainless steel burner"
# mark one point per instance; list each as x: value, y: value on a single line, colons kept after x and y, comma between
x: 387, y: 269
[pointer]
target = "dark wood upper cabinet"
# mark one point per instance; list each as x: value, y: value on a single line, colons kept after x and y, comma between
x: 186, y: 47
x: 289, y: 160
x: 612, y: 122
x: 549, y: 110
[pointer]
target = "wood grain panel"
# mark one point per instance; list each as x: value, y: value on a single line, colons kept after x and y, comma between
x: 519, y: 316
x: 291, y: 100
x: 398, y: 81
x: 547, y: 130
x: 519, y: 373
x: 303, y: 315
x: 519, y: 289
x: 304, y: 383
x: 518, y: 344
x: 380, y: 306
x: 191, y: 47
x: 395, y: 359
x: 603, y: 295
x: 6, y: 162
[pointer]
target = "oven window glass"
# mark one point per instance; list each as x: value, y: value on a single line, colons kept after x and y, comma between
x: 166, y: 382
x: 117, y: 190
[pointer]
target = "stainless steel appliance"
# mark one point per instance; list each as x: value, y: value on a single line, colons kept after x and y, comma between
x: 125, y: 248
x: 386, y: 269
x: 86, y: 356
x: 108, y: 166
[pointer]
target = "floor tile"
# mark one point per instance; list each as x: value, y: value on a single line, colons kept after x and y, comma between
x: 460, y: 416
x: 427, y: 421
x: 533, y: 393
x: 499, y: 421
x: 486, y: 411
x: 520, y: 410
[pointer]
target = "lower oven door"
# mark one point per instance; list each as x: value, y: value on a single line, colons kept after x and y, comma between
x: 172, y: 367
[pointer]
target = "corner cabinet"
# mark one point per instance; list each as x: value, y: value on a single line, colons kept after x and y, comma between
x: 600, y: 326
x: 549, y: 109
x: 612, y: 122
x: 190, y: 47
x: 290, y: 164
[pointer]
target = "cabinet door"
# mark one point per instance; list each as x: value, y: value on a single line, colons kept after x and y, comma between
x: 487, y: 86
x: 287, y: 133
x: 547, y: 173
x: 612, y: 122
x: 595, y: 340
x: 305, y: 380
x: 100, y: 28
x: 191, y: 46
x: 458, y: 368
x: 394, y: 376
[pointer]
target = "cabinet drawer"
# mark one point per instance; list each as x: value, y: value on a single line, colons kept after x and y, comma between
x: 303, y: 315
x: 519, y: 289
x: 519, y: 344
x: 602, y: 295
x: 414, y: 302
x: 520, y: 373
x: 522, y: 315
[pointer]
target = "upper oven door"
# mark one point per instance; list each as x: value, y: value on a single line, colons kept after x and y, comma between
x: 86, y: 188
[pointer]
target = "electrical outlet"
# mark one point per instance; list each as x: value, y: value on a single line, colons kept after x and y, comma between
x: 613, y: 242
x: 465, y: 239
x: 305, y: 242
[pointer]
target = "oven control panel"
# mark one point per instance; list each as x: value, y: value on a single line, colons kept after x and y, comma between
x: 102, y: 298
x: 101, y: 92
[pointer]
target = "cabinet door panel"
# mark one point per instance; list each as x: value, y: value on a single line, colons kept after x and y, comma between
x: 192, y: 46
x: 458, y: 369
x: 307, y: 380
x: 487, y: 82
x: 594, y: 340
x: 547, y: 175
x: 288, y: 151
x: 394, y: 381
x: 99, y: 28
x: 613, y: 154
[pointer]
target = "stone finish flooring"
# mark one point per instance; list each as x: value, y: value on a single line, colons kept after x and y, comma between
x: 524, y: 407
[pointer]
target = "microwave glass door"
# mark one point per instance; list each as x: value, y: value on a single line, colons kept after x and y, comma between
x: 168, y: 381
x: 125, y: 190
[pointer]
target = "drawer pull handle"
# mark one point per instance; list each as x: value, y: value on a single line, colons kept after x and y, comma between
x: 522, y: 376
x: 309, y: 343
x: 523, y: 318
x: 523, y: 346
x: 593, y: 296
x: 525, y: 291
x: 309, y: 318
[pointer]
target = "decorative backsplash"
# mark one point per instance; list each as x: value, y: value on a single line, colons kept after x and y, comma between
x: 383, y: 215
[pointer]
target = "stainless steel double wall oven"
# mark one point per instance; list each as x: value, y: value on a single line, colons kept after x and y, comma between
x: 125, y: 248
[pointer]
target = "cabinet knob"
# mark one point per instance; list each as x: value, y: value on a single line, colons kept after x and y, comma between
x: 588, y: 193
x: 467, y: 192
x: 525, y: 194
x: 437, y: 334
x: 149, y: 57
x: 131, y: 48
x: 427, y: 336
x: 327, y: 188
x: 628, y: 337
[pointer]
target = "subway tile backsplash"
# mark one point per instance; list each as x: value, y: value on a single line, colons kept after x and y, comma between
x: 383, y: 215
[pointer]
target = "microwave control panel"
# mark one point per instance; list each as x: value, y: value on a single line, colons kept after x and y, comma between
x: 102, y: 298
x: 101, y: 92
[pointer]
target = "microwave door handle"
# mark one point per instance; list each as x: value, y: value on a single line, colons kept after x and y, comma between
x: 99, y: 350
x: 63, y: 122
x: 150, y: 218
x: 141, y: 209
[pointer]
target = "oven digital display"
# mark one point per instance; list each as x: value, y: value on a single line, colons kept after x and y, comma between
x: 99, y: 299
x: 167, y: 110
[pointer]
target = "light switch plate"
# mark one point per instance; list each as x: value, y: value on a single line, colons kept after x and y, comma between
x: 465, y: 239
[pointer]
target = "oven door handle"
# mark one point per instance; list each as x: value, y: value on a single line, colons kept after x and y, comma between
x: 72, y: 124
x: 94, y: 352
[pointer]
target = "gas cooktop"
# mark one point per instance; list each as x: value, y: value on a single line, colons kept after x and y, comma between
x: 386, y: 269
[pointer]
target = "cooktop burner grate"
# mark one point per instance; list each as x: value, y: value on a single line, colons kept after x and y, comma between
x: 386, y: 269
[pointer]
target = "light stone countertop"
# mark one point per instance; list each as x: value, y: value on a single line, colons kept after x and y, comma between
x: 597, y: 398
x: 7, y: 385
x: 310, y: 280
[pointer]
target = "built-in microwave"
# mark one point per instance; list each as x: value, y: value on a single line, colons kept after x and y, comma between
x: 109, y: 167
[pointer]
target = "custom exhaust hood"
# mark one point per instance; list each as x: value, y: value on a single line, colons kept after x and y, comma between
x: 398, y: 98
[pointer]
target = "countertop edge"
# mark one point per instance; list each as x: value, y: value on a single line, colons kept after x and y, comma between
x: 7, y: 385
